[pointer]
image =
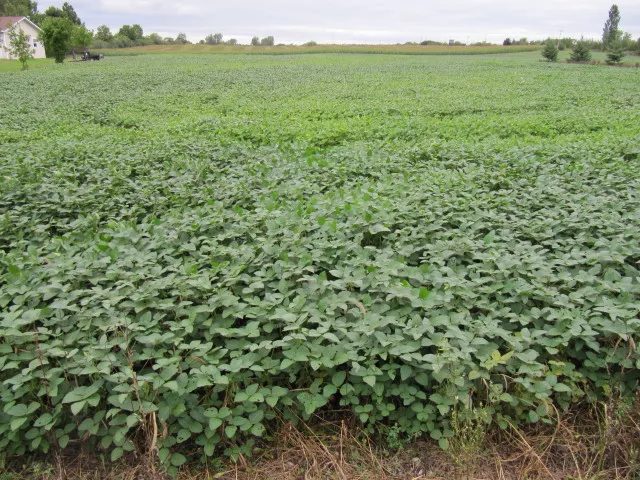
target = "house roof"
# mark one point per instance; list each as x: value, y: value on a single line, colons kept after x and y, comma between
x: 5, y: 21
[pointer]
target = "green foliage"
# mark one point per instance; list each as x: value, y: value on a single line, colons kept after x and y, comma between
x: 103, y: 33
x: 580, y: 53
x: 56, y: 35
x: 267, y: 41
x: 81, y: 37
x: 255, y: 41
x: 615, y: 53
x: 18, y: 8
x: 66, y: 11
x: 610, y: 32
x: 132, y: 32
x: 213, y: 39
x: 20, y: 45
x: 193, y: 242
x: 550, y: 51
x: 181, y: 39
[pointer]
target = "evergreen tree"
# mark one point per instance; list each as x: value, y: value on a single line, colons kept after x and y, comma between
x: 580, y: 53
x: 615, y: 53
x: 610, y: 33
x: 550, y: 51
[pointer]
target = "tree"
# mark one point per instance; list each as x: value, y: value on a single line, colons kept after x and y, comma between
x: 215, y: 39
x: 56, y: 36
x: 638, y: 47
x: 132, y: 32
x: 550, y: 51
x: 615, y: 53
x: 610, y: 33
x: 19, y: 45
x: 155, y: 39
x: 267, y: 41
x: 182, y: 39
x: 103, y: 33
x: 81, y: 38
x: 66, y: 11
x: 580, y: 52
x: 255, y: 41
x: 507, y: 42
x: 232, y: 41
x: 18, y: 8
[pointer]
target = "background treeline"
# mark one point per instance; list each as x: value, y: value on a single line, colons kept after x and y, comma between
x: 133, y: 36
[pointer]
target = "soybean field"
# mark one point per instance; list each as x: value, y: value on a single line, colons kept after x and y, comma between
x: 205, y: 245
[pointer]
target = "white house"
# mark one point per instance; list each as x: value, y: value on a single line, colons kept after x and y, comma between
x: 25, y: 25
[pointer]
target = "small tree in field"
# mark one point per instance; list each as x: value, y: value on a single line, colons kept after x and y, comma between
x: 580, y: 53
x: 20, y: 46
x: 550, y: 51
x: 615, y: 53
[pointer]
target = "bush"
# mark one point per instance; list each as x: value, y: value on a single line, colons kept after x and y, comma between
x: 310, y: 44
x: 100, y: 44
x: 120, y: 41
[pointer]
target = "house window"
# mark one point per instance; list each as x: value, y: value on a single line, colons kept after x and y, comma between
x: 35, y: 45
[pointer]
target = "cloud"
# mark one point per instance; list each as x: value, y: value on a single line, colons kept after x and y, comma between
x: 360, y: 21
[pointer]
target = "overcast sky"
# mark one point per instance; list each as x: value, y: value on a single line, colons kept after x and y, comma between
x: 359, y: 21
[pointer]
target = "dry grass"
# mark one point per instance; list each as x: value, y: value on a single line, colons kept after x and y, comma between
x: 597, y: 442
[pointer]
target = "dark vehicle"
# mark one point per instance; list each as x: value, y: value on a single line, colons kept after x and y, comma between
x: 88, y: 56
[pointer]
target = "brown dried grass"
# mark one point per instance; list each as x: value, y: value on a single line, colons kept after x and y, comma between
x: 596, y: 442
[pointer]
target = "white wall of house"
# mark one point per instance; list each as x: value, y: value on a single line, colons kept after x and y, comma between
x: 33, y: 33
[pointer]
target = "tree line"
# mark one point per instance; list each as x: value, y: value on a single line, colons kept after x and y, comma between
x: 614, y: 41
x: 133, y: 36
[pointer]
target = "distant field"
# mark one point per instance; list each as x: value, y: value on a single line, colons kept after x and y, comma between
x: 196, y: 250
x: 400, y: 49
